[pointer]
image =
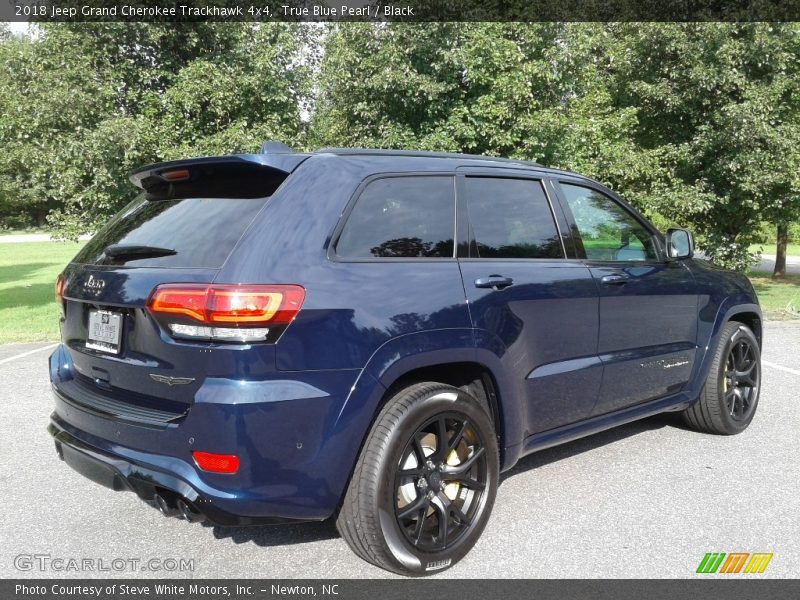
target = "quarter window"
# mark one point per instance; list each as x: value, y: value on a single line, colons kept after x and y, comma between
x: 606, y: 229
x: 510, y: 218
x: 401, y: 217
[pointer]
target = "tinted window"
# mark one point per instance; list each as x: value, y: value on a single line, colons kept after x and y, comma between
x: 607, y: 230
x: 510, y: 218
x: 401, y: 217
x: 201, y: 231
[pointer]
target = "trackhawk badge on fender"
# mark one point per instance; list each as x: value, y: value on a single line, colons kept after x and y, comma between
x: 665, y: 363
x: 170, y: 381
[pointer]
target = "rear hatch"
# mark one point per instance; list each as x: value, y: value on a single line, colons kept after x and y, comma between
x: 181, y: 229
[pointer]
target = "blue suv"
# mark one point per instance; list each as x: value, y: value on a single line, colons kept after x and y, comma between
x: 375, y: 335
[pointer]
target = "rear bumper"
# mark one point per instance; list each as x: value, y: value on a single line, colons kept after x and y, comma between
x: 296, y: 449
x: 122, y: 475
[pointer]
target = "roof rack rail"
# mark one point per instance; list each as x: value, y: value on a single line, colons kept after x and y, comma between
x: 275, y: 147
x: 421, y: 154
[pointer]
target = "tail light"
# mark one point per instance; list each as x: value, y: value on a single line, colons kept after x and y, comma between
x: 216, y: 463
x: 230, y: 313
x: 60, y: 283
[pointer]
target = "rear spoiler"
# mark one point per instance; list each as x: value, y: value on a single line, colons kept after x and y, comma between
x: 253, y: 175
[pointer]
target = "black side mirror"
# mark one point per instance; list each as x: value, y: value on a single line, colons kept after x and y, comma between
x: 680, y: 244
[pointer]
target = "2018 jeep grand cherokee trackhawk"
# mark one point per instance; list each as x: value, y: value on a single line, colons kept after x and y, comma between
x: 375, y: 335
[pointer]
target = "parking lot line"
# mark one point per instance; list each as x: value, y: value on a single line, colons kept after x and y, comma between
x: 779, y: 367
x: 28, y: 353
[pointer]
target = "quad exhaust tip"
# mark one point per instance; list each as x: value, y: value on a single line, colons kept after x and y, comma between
x: 189, y: 513
x: 177, y: 506
x: 166, y: 508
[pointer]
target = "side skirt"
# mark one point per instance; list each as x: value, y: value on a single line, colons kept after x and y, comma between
x: 574, y: 431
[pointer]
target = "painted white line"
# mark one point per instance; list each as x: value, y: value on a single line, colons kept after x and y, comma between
x: 780, y: 367
x: 28, y: 353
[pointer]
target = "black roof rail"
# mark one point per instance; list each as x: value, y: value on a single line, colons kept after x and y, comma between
x: 275, y: 147
x: 420, y: 154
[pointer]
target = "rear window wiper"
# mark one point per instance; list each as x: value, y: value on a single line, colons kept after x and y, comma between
x: 134, y: 251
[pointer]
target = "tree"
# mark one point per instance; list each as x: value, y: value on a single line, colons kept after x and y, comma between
x: 86, y: 103
x: 542, y: 92
x: 696, y: 123
x: 719, y: 103
x: 532, y: 91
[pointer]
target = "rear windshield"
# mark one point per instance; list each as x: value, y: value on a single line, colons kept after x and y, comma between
x: 201, y: 232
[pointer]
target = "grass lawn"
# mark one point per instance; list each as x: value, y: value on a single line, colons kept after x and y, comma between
x: 779, y: 299
x: 791, y: 249
x: 28, y: 271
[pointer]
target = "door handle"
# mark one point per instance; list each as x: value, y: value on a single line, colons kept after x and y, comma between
x: 496, y: 282
x: 614, y: 279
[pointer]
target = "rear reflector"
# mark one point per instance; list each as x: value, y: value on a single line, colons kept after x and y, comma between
x: 216, y: 463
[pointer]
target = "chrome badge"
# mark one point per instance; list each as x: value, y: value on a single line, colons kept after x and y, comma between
x: 170, y: 381
x: 94, y: 285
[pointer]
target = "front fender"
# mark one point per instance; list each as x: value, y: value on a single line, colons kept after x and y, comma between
x: 709, y: 334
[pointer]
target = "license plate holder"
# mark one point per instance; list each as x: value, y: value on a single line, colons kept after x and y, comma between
x: 104, y: 332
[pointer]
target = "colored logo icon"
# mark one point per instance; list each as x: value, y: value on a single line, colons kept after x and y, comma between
x: 735, y: 562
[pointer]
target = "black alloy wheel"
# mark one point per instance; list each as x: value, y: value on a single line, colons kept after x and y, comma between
x: 727, y: 403
x: 741, y: 379
x: 440, y: 480
x: 425, y: 483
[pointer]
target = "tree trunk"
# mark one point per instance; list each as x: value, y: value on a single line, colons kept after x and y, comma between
x: 780, y: 254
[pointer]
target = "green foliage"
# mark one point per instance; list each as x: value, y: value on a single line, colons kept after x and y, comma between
x: 696, y: 124
x: 720, y: 102
x: 86, y: 103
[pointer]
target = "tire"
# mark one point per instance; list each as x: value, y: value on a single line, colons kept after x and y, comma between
x: 729, y: 397
x: 405, y: 478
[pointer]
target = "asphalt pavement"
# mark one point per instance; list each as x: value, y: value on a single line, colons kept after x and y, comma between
x: 647, y: 499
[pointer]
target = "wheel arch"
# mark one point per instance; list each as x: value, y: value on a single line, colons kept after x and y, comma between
x: 746, y: 313
x: 471, y: 376
x: 752, y: 319
x: 447, y: 356
x: 456, y: 367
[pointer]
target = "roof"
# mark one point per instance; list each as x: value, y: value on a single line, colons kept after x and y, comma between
x: 277, y: 156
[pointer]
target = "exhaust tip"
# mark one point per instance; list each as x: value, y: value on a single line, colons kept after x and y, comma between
x: 164, y: 507
x: 189, y: 513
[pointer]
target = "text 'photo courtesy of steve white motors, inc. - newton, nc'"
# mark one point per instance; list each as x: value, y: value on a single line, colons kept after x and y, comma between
x: 143, y: 589
x: 126, y: 11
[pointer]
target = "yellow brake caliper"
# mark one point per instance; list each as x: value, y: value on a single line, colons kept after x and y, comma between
x: 451, y: 489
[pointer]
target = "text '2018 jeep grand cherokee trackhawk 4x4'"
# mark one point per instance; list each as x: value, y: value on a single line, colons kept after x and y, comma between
x: 375, y: 335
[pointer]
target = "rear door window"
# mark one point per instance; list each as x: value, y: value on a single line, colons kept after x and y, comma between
x: 510, y: 218
x: 401, y: 217
x: 201, y: 232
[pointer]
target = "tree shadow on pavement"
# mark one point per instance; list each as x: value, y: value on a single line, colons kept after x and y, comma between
x: 302, y: 533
